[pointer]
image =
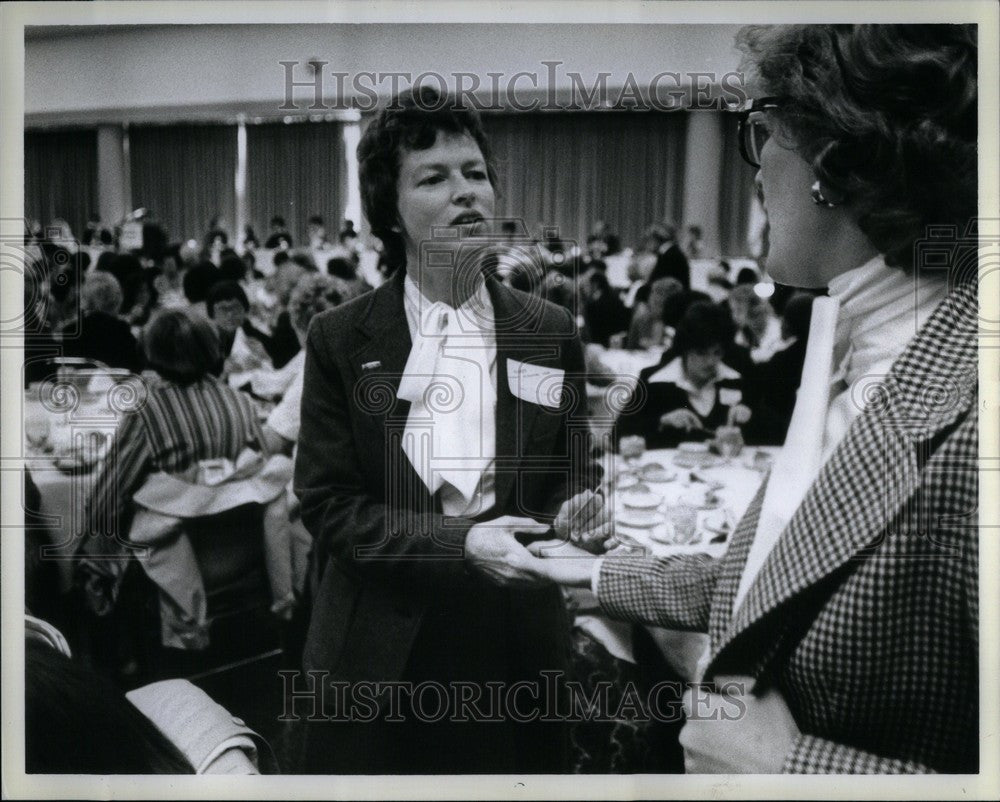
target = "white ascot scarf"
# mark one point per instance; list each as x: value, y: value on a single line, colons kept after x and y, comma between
x: 450, y: 382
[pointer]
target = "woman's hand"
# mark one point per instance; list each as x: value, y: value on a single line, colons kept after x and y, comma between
x: 562, y: 562
x: 585, y: 520
x: 738, y: 415
x: 680, y: 419
x: 736, y: 732
x: 492, y: 549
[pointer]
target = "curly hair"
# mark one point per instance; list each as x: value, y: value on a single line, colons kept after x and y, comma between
x: 410, y: 122
x: 314, y: 293
x: 885, y: 114
x: 101, y: 292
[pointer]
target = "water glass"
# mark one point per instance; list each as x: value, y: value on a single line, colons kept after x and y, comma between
x: 683, y: 518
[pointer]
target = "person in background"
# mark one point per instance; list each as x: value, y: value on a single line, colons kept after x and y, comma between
x: 648, y: 328
x: 316, y: 233
x: 279, y: 239
x: 216, y: 241
x: 233, y: 268
x: 188, y: 415
x: 104, y: 335
x: 346, y: 272
x: 77, y: 722
x: 65, y: 276
x: 695, y: 392
x: 241, y: 344
x: 280, y: 284
x: 670, y: 259
x: 757, y: 327
x: 603, y: 312
x: 774, y: 383
x: 95, y: 234
x: 197, y: 283
x: 693, y: 244
x: 313, y: 294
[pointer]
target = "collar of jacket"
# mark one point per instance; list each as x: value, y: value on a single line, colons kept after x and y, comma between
x: 862, y: 486
x: 386, y: 340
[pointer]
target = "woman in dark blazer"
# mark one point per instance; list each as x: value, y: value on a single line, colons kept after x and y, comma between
x: 416, y: 565
x: 692, y: 391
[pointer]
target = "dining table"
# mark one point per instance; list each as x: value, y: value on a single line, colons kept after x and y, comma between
x: 666, y: 502
x: 68, y: 428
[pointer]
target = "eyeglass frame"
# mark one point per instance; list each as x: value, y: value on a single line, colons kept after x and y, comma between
x: 744, y: 110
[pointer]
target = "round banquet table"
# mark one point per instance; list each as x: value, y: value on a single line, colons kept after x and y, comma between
x: 736, y: 481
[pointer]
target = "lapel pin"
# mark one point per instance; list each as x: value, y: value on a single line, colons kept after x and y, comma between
x: 371, y: 365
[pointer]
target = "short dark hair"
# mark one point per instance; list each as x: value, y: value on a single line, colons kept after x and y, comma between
x: 340, y: 267
x: 198, y: 280
x: 703, y: 325
x: 410, y: 122
x: 181, y: 346
x: 225, y: 290
x: 232, y: 268
x: 316, y: 220
x: 278, y: 220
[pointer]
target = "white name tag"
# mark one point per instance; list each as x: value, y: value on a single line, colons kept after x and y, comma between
x: 535, y: 384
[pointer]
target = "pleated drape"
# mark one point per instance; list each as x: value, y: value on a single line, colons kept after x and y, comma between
x: 296, y: 171
x: 568, y: 170
x: 60, y: 176
x: 735, y: 193
x: 184, y: 175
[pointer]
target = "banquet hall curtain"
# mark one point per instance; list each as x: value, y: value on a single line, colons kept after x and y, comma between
x: 184, y: 175
x: 570, y: 169
x: 736, y: 192
x: 60, y: 176
x: 296, y: 170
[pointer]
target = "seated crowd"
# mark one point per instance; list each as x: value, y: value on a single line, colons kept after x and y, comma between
x: 221, y: 347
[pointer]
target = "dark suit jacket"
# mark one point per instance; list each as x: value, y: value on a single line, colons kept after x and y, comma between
x: 105, y: 338
x: 651, y: 401
x: 394, y: 597
x: 673, y: 263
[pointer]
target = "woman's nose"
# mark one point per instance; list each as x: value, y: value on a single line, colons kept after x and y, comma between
x: 464, y: 193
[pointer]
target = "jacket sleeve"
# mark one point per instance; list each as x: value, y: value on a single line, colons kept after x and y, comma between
x: 348, y: 522
x: 814, y: 755
x: 674, y: 592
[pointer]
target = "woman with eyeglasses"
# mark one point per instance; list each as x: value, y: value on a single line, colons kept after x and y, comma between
x: 843, y: 619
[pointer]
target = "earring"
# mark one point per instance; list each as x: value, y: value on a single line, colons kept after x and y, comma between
x: 820, y: 198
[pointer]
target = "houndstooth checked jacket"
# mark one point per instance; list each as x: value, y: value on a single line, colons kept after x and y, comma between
x: 865, y: 615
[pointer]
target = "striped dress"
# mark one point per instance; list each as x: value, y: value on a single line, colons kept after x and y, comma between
x: 176, y: 427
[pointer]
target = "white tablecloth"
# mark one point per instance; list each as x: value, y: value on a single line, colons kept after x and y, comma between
x: 737, y: 485
x: 87, y: 426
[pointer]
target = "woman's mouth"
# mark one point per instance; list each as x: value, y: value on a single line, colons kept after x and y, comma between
x: 467, y: 218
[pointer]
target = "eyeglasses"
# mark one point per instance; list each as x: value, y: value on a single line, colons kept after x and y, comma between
x: 753, y: 130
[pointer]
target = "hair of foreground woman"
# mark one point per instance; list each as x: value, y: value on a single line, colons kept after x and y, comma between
x: 885, y: 114
x: 410, y: 122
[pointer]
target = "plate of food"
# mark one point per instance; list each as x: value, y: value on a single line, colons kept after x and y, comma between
x: 656, y: 473
x: 638, y: 519
x: 641, y: 501
x: 695, y: 455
